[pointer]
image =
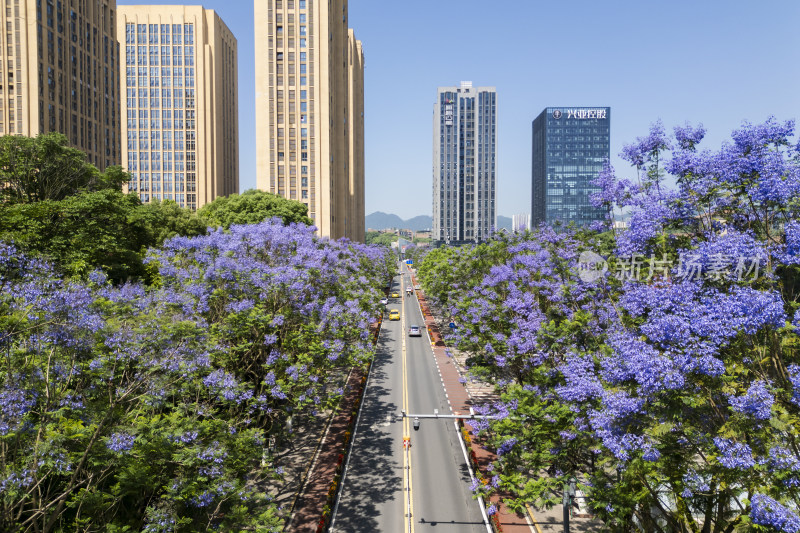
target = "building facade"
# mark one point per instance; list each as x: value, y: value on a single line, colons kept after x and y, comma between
x: 310, y: 111
x: 180, y: 105
x: 520, y: 223
x: 464, y: 164
x: 570, y: 147
x: 59, y: 73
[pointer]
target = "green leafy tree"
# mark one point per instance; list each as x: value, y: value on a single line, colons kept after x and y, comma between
x: 103, y: 229
x: 47, y: 168
x: 164, y: 220
x: 251, y: 207
x: 379, y: 237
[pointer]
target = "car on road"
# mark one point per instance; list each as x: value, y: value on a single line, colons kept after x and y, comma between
x: 394, y: 314
x: 395, y: 295
x: 384, y: 301
x: 414, y: 331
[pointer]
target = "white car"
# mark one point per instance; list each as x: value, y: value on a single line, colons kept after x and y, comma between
x: 384, y: 301
x: 414, y: 331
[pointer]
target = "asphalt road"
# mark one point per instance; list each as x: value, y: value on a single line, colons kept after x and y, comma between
x: 373, y: 496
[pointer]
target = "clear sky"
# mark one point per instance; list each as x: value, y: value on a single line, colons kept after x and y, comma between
x: 716, y: 62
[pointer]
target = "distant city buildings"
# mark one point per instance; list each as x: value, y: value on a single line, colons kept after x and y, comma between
x: 60, y: 73
x: 520, y: 223
x: 181, y: 104
x: 310, y: 111
x: 570, y: 146
x: 464, y: 168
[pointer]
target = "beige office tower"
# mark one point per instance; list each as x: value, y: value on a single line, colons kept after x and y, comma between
x: 310, y: 111
x: 58, y: 72
x: 179, y: 78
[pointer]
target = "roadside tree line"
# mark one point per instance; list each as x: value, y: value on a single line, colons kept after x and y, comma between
x: 141, y: 381
x: 656, y: 364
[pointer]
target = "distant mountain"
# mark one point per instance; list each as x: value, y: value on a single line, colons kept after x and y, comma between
x: 419, y: 223
x: 380, y: 220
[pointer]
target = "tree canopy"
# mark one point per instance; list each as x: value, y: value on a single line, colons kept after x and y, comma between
x: 379, y: 237
x: 46, y: 167
x: 251, y: 207
x: 102, y: 229
x: 659, y: 364
x: 137, y: 408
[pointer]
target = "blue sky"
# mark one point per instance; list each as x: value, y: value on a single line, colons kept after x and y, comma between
x: 716, y: 62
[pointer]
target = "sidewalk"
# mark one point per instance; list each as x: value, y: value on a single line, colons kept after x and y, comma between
x: 311, y: 512
x: 315, y: 495
x: 462, y: 396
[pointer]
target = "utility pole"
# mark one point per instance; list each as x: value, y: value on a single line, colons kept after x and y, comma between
x: 569, y: 494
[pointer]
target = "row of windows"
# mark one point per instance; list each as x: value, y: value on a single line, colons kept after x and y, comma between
x: 160, y: 50
x: 301, y: 4
x: 190, y: 202
x: 181, y: 33
x: 177, y: 60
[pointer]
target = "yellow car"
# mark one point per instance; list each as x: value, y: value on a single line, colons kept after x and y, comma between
x: 395, y: 295
x: 394, y: 314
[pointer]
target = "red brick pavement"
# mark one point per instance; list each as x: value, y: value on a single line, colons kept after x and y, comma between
x: 460, y: 403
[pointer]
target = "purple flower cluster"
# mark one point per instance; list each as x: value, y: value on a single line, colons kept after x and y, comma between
x: 734, y: 454
x: 769, y: 512
x: 688, y: 137
x: 756, y: 402
x: 15, y: 403
x: 120, y: 442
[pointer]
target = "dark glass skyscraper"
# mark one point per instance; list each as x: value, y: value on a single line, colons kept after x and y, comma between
x: 570, y: 146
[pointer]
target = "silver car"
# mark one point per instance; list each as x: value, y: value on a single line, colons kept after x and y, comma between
x: 414, y: 331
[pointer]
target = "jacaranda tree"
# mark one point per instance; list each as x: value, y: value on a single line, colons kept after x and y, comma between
x: 664, y: 377
x: 136, y: 408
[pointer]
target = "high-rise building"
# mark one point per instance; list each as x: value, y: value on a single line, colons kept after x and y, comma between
x: 59, y: 73
x: 181, y: 132
x: 570, y: 147
x: 520, y: 223
x: 464, y: 168
x: 310, y: 111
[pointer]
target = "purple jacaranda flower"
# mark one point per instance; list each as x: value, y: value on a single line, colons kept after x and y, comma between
x: 734, y: 455
x: 120, y: 442
x: 769, y: 512
x: 756, y: 402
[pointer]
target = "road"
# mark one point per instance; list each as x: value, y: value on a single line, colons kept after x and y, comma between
x: 373, y: 496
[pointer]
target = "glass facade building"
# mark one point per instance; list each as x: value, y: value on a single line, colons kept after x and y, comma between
x: 570, y: 147
x: 464, y: 167
x: 180, y: 104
